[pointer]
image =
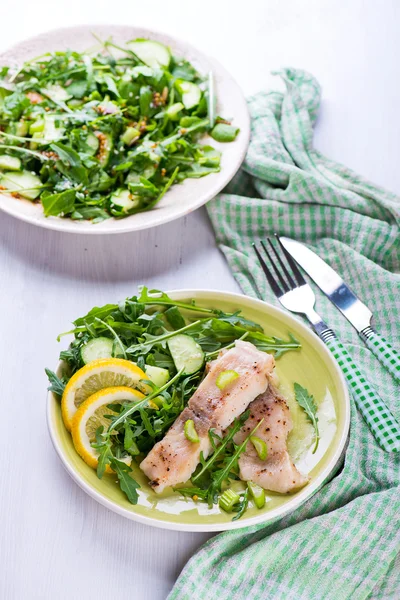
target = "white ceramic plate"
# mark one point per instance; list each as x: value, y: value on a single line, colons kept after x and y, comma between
x: 180, y: 199
x: 313, y: 366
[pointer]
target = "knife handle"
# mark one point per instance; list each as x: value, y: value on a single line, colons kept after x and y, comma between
x: 377, y: 415
x: 384, y: 352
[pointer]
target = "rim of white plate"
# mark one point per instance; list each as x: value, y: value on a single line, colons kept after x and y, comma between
x: 181, y: 199
x: 265, y: 517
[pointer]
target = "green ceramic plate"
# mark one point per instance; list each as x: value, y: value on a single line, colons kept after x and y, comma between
x: 312, y: 366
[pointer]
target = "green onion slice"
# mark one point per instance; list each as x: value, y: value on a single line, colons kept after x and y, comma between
x: 260, y: 447
x: 257, y: 493
x: 228, y: 499
x: 190, y: 431
x: 225, y: 378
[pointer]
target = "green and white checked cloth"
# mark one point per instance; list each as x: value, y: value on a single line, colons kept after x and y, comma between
x: 344, y: 543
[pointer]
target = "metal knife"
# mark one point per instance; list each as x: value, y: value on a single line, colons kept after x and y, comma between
x: 346, y: 301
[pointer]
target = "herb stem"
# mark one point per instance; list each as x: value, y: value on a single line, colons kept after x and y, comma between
x: 164, y: 337
x: 116, y: 336
x: 141, y: 403
x: 209, y: 355
x: 19, y: 149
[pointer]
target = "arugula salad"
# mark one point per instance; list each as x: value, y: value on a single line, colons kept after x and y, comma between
x: 129, y: 374
x: 98, y: 135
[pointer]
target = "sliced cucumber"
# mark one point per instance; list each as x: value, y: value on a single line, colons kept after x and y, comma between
x: 52, y: 132
x: 134, y: 176
x: 186, y: 353
x: 19, y: 128
x: 157, y: 375
x: 10, y: 163
x: 152, y: 53
x: 56, y: 93
x: 24, y: 182
x: 46, y: 128
x: 92, y: 142
x: 100, y: 347
x: 190, y: 92
x: 130, y: 135
x: 173, y: 112
x: 106, y: 145
x: 124, y: 200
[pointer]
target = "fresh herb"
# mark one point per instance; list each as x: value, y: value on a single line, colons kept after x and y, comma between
x: 307, y: 403
x: 106, y: 136
x: 126, y: 482
x: 57, y: 384
x: 242, y: 507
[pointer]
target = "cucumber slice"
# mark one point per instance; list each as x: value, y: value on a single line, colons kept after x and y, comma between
x: 186, y: 353
x: 56, y: 93
x: 24, y: 182
x: 100, y: 347
x: 19, y: 128
x: 92, y: 142
x: 106, y: 145
x: 173, y: 112
x: 190, y: 92
x: 51, y: 131
x: 10, y: 163
x: 152, y: 53
x: 157, y: 375
x: 124, y: 200
x: 130, y: 135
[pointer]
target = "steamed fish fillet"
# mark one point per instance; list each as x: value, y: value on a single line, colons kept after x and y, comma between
x: 277, y: 473
x: 174, y: 459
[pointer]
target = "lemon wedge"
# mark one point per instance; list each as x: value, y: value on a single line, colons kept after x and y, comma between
x: 95, y: 376
x: 91, y: 415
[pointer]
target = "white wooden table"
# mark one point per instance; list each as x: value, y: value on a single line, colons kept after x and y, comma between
x: 55, y: 542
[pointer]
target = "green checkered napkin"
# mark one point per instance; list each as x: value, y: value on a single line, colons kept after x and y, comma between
x: 344, y: 543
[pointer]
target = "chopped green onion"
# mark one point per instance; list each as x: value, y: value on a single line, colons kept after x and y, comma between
x: 190, y: 431
x: 260, y: 447
x: 228, y: 499
x: 225, y: 378
x: 257, y: 493
x: 224, y: 133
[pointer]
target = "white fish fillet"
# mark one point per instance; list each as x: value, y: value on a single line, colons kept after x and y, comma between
x: 174, y: 459
x: 277, y: 473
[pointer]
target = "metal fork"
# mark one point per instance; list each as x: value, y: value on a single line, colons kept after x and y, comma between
x: 295, y: 294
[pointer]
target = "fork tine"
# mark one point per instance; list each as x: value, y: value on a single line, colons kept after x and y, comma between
x: 292, y: 263
x: 274, y: 285
x: 284, y: 284
x: 292, y: 283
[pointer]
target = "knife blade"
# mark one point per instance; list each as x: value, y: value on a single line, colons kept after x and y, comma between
x: 330, y: 283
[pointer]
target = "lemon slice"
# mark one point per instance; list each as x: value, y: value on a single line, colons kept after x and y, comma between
x: 95, y: 376
x: 91, y: 415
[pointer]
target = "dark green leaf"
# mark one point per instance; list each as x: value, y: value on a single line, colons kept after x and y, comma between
x: 126, y: 482
x: 58, y: 204
x: 307, y: 403
x: 57, y: 385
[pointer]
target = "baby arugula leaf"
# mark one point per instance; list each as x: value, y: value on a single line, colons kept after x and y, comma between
x: 219, y: 450
x: 242, y: 506
x: 307, y: 403
x: 58, y: 204
x: 126, y: 482
x: 57, y: 384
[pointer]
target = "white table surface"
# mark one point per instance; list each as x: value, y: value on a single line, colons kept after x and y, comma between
x: 56, y: 542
